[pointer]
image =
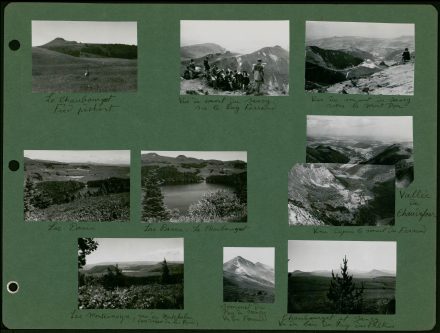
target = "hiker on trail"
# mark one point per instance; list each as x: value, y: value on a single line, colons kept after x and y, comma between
x: 206, y: 65
x: 191, y: 68
x: 406, y: 56
x: 258, y: 71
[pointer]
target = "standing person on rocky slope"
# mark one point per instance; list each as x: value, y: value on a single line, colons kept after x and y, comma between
x: 258, y: 71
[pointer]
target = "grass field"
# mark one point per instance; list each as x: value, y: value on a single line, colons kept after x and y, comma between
x: 233, y: 293
x: 57, y: 72
x: 307, y: 294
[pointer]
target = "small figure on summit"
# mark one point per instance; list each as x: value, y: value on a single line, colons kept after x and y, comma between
x: 406, y: 56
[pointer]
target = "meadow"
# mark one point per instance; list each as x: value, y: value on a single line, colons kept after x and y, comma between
x: 54, y: 71
x: 308, y: 294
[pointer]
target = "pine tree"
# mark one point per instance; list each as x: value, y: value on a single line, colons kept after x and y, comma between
x: 154, y: 208
x: 165, y: 272
x: 113, y: 278
x: 343, y: 294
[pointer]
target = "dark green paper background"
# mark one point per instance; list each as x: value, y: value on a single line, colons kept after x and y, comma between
x: 44, y: 262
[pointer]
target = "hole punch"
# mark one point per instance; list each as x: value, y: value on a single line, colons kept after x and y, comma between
x: 12, y: 287
x: 14, y: 165
x: 14, y: 45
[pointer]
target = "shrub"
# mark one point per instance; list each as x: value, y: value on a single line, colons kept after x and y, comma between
x: 217, y: 206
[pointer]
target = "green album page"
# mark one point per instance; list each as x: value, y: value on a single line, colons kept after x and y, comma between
x: 219, y: 166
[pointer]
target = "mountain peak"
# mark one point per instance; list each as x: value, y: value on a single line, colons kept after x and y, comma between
x: 59, y: 41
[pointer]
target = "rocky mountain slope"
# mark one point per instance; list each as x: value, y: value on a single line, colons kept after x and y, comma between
x: 245, y: 271
x: 341, y: 194
x: 245, y: 281
x: 396, y: 80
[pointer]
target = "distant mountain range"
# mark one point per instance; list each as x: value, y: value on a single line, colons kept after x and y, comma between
x: 43, y: 170
x: 340, y: 59
x: 190, y: 169
x: 356, y: 274
x: 275, y: 58
x: 355, y: 150
x: 200, y: 50
x: 134, y: 268
x: 377, y: 47
x: 91, y: 50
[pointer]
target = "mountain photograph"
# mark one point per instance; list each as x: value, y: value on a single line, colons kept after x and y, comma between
x: 360, y: 58
x: 377, y: 140
x: 341, y: 277
x: 248, y: 274
x: 76, y: 185
x: 217, y: 60
x: 194, y: 186
x: 333, y: 194
x: 84, y: 56
x: 130, y: 273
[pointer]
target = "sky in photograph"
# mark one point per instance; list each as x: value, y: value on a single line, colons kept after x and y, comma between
x: 85, y: 32
x: 308, y: 256
x: 136, y: 249
x: 324, y: 29
x: 386, y: 128
x: 236, y: 36
x: 113, y: 157
x: 264, y: 255
x: 206, y: 155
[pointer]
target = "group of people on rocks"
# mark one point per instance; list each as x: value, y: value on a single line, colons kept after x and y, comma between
x: 228, y: 80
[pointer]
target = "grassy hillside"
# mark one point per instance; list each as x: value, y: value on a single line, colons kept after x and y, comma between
x: 54, y: 71
x: 242, y: 291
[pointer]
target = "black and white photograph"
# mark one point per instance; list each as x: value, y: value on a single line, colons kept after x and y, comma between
x: 77, y: 185
x: 382, y: 140
x: 230, y: 57
x: 360, y: 58
x: 84, y: 56
x: 341, y: 277
x: 249, y: 274
x: 130, y: 273
x: 331, y: 194
x: 194, y: 186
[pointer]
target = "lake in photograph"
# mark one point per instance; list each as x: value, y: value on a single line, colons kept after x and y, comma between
x: 183, y: 196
